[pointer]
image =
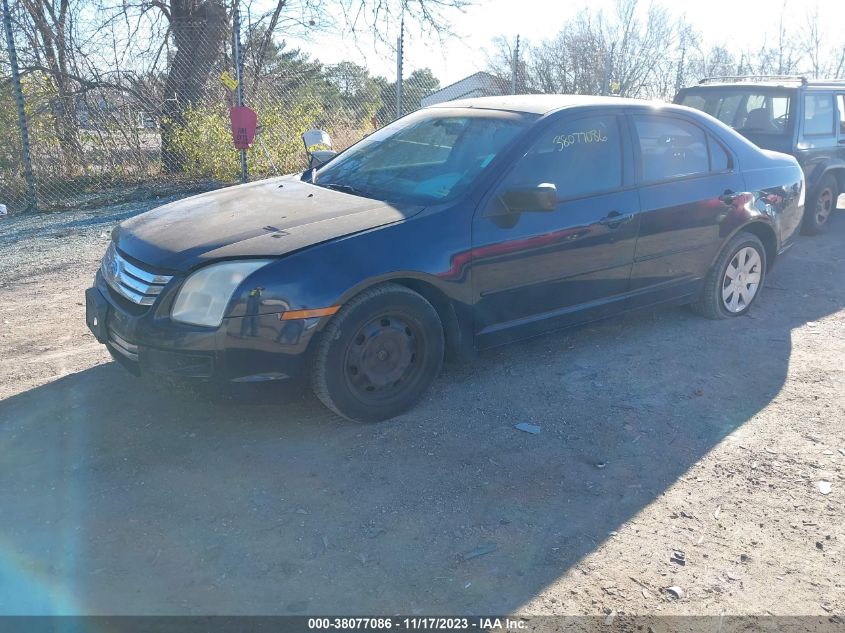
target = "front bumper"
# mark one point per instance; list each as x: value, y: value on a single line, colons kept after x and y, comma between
x: 243, y: 349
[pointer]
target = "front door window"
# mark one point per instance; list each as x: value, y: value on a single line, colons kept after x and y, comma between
x: 580, y: 157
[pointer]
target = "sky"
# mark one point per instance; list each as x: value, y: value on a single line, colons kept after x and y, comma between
x: 738, y: 24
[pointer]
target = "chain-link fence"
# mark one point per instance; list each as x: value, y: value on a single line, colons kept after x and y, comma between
x: 108, y: 130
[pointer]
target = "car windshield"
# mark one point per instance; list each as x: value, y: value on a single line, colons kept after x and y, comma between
x: 747, y: 111
x: 425, y: 158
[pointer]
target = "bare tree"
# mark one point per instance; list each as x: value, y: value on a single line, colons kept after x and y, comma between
x: 638, y: 49
x: 838, y: 71
x: 814, y: 42
x: 165, y: 52
x: 500, y: 56
x: 48, y: 30
x: 630, y: 51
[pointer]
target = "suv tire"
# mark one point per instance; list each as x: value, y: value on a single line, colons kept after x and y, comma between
x: 820, y: 206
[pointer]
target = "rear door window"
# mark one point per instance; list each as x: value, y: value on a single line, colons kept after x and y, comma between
x: 670, y: 148
x: 818, y: 115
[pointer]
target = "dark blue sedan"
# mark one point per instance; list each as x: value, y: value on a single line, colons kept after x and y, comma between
x: 461, y: 226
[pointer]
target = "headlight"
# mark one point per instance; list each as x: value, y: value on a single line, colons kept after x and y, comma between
x: 203, y: 297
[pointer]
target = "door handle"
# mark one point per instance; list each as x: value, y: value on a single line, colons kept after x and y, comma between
x: 615, y: 219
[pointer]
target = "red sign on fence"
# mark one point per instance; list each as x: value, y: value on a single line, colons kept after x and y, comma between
x: 244, y: 121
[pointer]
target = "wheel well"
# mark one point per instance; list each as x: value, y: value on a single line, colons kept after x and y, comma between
x: 455, y: 340
x: 839, y: 175
x: 766, y: 234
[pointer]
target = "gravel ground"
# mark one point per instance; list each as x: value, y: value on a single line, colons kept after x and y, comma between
x: 661, y: 432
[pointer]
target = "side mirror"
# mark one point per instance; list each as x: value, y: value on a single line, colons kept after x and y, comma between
x: 320, y: 157
x: 543, y: 197
x: 318, y: 147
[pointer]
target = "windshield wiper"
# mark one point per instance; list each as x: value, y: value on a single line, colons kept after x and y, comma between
x: 344, y: 188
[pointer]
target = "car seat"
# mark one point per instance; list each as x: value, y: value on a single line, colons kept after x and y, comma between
x: 759, y: 119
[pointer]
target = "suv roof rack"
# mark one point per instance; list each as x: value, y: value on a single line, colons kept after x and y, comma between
x: 782, y: 78
x: 826, y: 82
x: 752, y: 78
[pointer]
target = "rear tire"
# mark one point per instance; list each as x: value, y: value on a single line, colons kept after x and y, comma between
x: 820, y: 206
x: 379, y: 354
x: 736, y: 279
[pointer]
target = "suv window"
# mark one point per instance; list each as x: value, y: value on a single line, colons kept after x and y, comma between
x: 818, y: 115
x: 756, y: 112
x: 841, y: 101
x: 580, y: 157
x: 670, y: 148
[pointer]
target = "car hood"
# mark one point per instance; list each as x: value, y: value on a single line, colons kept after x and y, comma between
x: 268, y: 218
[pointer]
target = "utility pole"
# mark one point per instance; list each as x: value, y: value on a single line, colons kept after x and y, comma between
x: 236, y: 53
x: 22, y: 125
x: 515, y: 67
x: 400, y: 51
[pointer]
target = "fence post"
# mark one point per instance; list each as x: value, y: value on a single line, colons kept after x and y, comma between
x: 515, y: 69
x: 22, y: 124
x: 236, y: 54
x: 400, y: 45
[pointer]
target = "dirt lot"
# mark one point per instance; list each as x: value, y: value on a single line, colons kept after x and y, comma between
x: 661, y: 431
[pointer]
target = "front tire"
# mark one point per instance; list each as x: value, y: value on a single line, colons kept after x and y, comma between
x: 379, y: 354
x: 736, y: 279
x: 820, y: 206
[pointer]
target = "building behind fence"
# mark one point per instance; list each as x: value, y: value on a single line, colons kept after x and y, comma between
x: 114, y: 134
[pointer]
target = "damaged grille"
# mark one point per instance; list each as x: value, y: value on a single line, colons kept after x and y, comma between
x: 129, y: 281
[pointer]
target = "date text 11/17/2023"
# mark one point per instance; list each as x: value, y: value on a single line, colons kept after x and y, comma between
x: 418, y: 623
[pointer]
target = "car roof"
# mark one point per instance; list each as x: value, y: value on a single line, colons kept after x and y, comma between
x: 543, y: 104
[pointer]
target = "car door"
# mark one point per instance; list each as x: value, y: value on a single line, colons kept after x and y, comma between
x: 538, y: 270
x: 688, y: 183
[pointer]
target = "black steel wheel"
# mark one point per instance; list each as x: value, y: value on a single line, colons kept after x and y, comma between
x: 378, y: 354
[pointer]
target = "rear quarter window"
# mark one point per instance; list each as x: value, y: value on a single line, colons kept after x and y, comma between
x: 720, y: 160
